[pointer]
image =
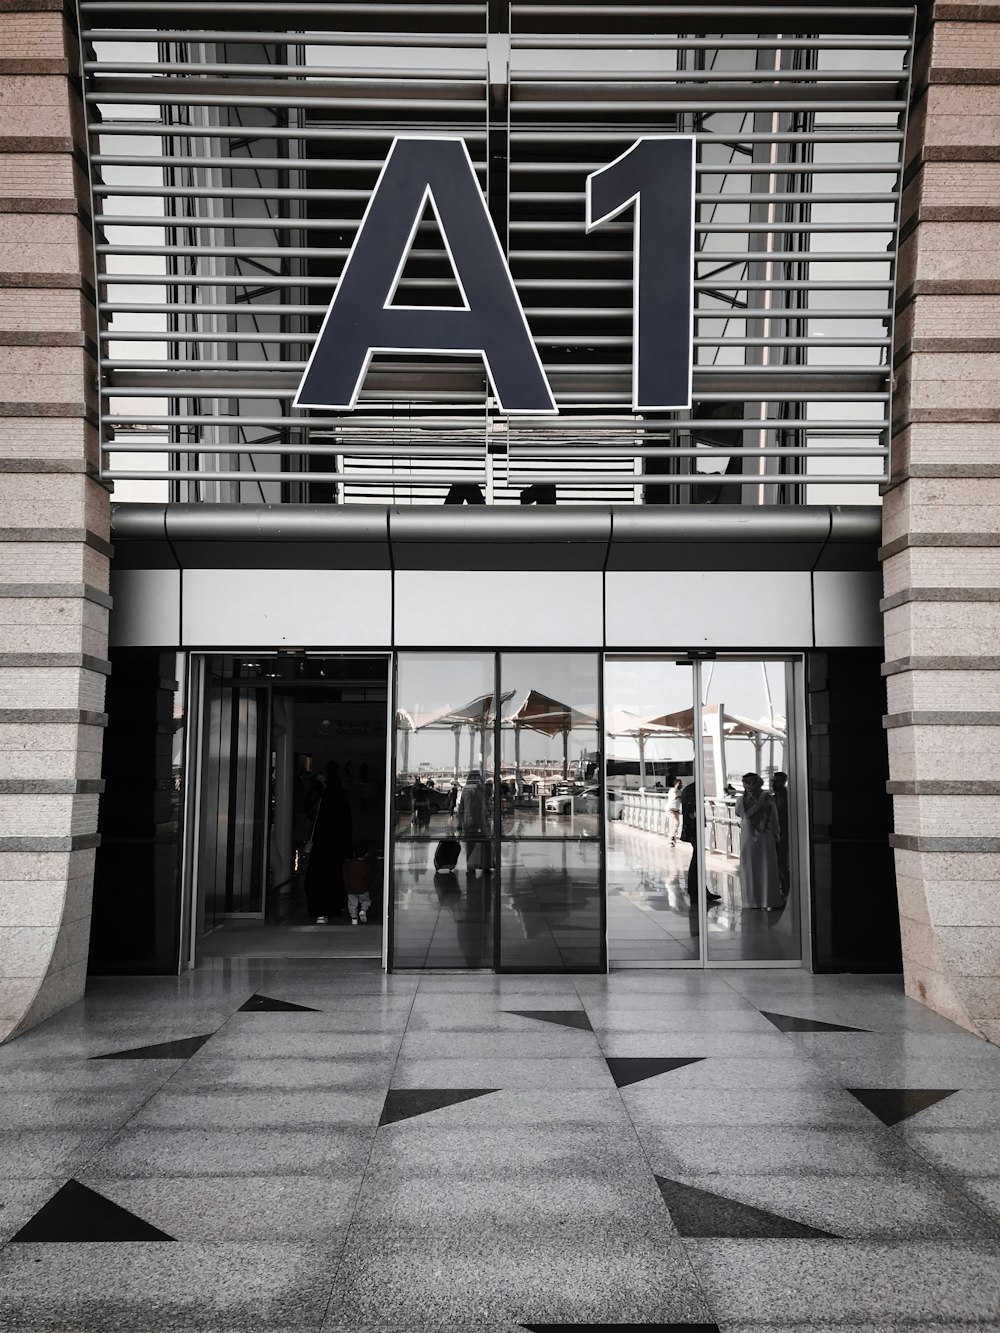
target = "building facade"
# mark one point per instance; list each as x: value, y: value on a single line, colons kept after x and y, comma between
x: 483, y: 596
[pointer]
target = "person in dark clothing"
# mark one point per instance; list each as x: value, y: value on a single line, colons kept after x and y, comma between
x: 331, y: 844
x: 779, y: 790
x: 689, y: 833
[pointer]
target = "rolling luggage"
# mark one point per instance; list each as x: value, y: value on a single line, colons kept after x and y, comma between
x: 446, y: 854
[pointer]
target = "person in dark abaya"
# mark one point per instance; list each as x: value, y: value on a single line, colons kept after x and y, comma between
x: 331, y: 844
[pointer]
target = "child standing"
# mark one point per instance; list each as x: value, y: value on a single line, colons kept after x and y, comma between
x: 356, y: 882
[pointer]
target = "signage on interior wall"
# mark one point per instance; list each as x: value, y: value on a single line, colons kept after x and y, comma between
x: 655, y: 177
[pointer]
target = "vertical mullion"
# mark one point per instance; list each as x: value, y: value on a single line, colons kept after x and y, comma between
x: 495, y: 848
x: 699, y: 784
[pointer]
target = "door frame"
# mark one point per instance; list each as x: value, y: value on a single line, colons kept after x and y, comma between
x: 795, y: 703
x: 192, y: 895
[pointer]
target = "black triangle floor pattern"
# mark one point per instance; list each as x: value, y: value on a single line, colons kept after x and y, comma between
x: 628, y: 1069
x: 892, y: 1105
x: 182, y: 1049
x: 76, y: 1214
x: 788, y: 1023
x: 405, y: 1103
x: 698, y: 1214
x: 567, y: 1018
x: 264, y: 1004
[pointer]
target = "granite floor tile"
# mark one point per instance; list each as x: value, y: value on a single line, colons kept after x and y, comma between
x: 550, y: 1044
x: 660, y: 1104
x: 760, y: 1150
x: 858, y: 1207
x: 523, y: 1282
x: 300, y: 1108
x: 848, y: 1282
x: 549, y: 1108
x: 743, y: 1044
x: 918, y: 1072
x: 184, y: 1288
x: 681, y: 1019
x: 73, y: 1109
x: 531, y: 1075
x: 208, y: 1072
x: 273, y: 1208
x: 21, y: 1199
x: 210, y: 1151
x: 895, y: 1046
x: 73, y: 1075
x: 289, y: 1042
x: 964, y: 1109
x: 738, y: 1072
x: 33, y: 1153
x: 967, y: 1152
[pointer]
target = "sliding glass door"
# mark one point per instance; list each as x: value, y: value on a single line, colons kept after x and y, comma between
x: 702, y: 782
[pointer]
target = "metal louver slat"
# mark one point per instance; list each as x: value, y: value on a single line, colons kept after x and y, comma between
x: 231, y: 167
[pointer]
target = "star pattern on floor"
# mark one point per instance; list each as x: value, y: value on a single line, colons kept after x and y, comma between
x: 181, y: 1049
x: 405, y: 1103
x: 702, y: 1215
x: 77, y: 1214
x: 893, y: 1105
x: 629, y: 1069
x: 789, y: 1023
x: 265, y: 1004
x: 567, y: 1018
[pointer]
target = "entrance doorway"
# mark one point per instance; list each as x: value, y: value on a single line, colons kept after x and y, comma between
x: 279, y: 735
x: 701, y: 871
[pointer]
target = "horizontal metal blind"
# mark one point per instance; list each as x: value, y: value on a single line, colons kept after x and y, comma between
x: 232, y: 162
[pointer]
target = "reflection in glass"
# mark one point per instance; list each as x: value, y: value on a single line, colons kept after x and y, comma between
x: 652, y: 866
x: 441, y: 918
x: 550, y: 905
x: 443, y: 810
x: 444, y: 733
x: 748, y: 816
x: 550, y: 779
x: 550, y: 809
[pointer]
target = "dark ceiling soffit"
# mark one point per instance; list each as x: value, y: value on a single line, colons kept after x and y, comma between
x: 599, y: 537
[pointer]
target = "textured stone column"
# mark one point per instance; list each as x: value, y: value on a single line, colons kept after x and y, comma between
x: 53, y: 521
x: 942, y: 526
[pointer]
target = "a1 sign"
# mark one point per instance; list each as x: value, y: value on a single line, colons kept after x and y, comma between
x: 656, y: 175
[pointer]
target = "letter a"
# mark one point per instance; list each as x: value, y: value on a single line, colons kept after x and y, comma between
x: 361, y: 319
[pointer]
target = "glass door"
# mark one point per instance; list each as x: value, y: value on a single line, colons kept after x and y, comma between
x: 702, y: 844
x: 750, y: 811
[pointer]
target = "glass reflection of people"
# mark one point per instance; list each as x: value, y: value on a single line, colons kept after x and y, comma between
x: 472, y: 815
x: 421, y: 804
x: 758, y: 816
x: 331, y: 843
x: 689, y: 833
x: 779, y: 784
x: 674, y: 812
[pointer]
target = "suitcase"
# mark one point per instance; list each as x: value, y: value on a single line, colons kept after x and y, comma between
x: 446, y: 854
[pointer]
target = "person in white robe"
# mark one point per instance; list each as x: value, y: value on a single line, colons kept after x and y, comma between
x: 760, y: 882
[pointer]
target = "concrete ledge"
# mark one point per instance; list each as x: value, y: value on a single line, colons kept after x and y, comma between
x: 928, y: 787
x: 919, y: 843
x: 51, y: 786
x: 906, y: 595
x: 34, y: 590
x: 77, y: 843
x: 85, y: 660
x: 941, y: 719
x: 901, y: 664
x: 83, y: 716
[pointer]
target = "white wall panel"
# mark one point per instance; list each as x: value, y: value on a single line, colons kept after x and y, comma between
x: 325, y: 608
x: 147, y: 608
x: 847, y: 611
x: 496, y: 608
x: 718, y: 609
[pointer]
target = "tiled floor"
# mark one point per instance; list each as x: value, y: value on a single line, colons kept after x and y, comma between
x: 469, y: 1152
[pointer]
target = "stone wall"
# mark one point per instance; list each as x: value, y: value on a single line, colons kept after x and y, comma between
x: 54, y: 529
x: 942, y: 525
